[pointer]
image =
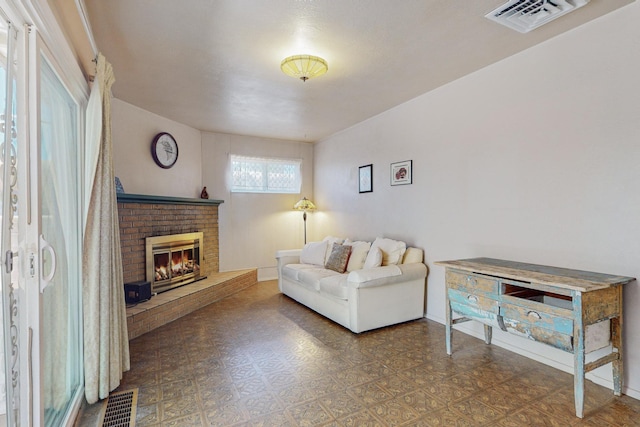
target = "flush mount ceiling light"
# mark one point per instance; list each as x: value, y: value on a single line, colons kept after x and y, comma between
x: 304, y: 67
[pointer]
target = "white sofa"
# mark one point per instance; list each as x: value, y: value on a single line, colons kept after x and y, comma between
x: 369, y: 294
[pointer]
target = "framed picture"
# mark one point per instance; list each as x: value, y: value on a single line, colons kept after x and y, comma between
x: 365, y: 178
x: 401, y: 172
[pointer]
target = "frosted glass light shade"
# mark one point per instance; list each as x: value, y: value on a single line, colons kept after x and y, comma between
x: 304, y: 67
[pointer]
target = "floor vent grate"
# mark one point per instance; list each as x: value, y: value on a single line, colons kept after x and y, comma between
x: 119, y: 409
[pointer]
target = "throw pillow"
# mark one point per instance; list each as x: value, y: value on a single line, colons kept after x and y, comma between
x: 392, y: 250
x: 313, y: 253
x: 374, y: 258
x: 412, y: 255
x: 338, y: 258
x: 330, y: 241
x: 359, y: 251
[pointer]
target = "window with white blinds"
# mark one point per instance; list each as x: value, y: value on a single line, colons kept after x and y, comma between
x: 265, y: 175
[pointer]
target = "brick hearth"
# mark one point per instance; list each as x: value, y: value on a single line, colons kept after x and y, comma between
x: 149, y: 216
x: 171, y: 305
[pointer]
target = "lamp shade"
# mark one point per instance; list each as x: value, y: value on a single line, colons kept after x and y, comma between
x: 304, y: 204
x: 304, y: 67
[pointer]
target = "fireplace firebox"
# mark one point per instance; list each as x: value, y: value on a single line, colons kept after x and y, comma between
x: 173, y: 260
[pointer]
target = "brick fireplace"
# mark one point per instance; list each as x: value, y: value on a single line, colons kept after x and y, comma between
x: 144, y: 216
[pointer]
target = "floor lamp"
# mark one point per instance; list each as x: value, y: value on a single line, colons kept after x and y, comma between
x: 304, y: 205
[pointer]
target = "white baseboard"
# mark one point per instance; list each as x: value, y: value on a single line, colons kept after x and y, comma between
x: 267, y: 273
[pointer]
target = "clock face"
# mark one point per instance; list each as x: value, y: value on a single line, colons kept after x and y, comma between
x: 164, y: 150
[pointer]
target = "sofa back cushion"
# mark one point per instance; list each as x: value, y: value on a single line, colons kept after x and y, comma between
x: 412, y: 256
x: 359, y: 251
x: 314, y: 253
x: 374, y: 258
x: 392, y: 250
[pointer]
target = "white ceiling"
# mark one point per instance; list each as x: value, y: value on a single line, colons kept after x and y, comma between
x: 215, y: 64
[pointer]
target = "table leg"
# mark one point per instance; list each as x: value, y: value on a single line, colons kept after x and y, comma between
x: 448, y: 324
x: 578, y: 355
x: 488, y: 332
x: 616, y: 343
x: 578, y: 386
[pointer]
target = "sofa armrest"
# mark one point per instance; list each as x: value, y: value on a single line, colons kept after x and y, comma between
x: 288, y: 256
x: 387, y: 275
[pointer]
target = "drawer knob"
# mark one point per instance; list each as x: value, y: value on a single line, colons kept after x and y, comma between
x: 472, y: 298
x: 534, y: 314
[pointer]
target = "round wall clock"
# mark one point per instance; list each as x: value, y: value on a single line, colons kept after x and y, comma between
x: 164, y: 150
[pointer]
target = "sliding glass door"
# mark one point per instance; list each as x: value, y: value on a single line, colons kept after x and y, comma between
x: 41, y: 128
x: 9, y: 364
x: 60, y: 241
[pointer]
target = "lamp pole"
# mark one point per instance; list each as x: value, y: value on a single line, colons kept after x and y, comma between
x: 304, y: 205
x: 304, y: 218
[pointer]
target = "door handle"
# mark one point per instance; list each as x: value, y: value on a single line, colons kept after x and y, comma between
x: 46, y: 280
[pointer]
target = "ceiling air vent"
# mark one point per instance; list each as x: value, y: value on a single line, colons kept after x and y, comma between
x: 525, y: 15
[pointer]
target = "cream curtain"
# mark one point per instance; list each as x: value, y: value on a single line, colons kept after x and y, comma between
x: 106, y: 342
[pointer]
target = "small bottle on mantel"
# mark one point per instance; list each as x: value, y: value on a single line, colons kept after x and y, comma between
x: 204, y: 194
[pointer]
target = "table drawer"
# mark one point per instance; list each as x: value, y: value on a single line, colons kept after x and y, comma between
x: 474, y: 306
x: 543, y: 335
x: 539, y: 322
x: 537, y: 318
x: 472, y: 282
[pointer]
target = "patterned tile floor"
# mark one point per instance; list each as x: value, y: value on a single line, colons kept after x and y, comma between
x: 258, y: 358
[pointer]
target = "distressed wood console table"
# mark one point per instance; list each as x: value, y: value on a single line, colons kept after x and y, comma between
x: 575, y: 311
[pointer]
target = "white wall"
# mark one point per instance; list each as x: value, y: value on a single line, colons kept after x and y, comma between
x: 534, y: 159
x: 133, y: 130
x: 254, y: 226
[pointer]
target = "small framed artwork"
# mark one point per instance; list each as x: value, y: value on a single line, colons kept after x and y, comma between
x: 365, y: 178
x: 401, y: 172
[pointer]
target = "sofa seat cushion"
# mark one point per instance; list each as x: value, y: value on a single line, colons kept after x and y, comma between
x: 291, y: 271
x: 336, y: 286
x: 309, y: 275
x: 375, y: 276
x: 310, y: 278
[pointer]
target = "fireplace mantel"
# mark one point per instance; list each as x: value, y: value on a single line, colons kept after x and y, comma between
x: 164, y: 200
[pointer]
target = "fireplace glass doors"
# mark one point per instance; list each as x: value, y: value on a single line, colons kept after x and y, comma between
x: 173, y: 260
